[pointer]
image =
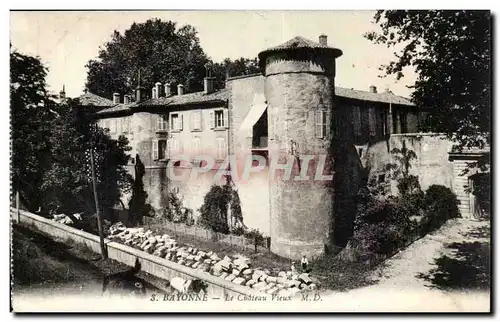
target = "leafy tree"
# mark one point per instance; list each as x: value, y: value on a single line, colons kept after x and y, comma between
x: 32, y: 110
x: 229, y: 68
x: 49, y: 143
x: 67, y: 184
x: 158, y: 49
x: 400, y: 170
x: 216, y: 205
x: 451, y: 53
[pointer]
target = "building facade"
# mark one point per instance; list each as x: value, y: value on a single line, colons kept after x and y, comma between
x: 288, y: 112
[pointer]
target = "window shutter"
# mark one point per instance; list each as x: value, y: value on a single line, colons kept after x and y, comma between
x: 372, y: 121
x: 169, y: 148
x: 226, y: 123
x: 181, y: 119
x: 357, y: 121
x: 155, y: 149
x: 125, y: 124
x: 200, y: 121
x: 212, y: 119
x: 319, y: 122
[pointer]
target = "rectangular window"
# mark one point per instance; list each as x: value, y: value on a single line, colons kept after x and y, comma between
x: 320, y: 123
x: 176, y: 122
x: 162, y: 149
x: 221, y: 148
x: 125, y: 124
x: 356, y: 115
x: 173, y: 148
x: 219, y: 119
x: 155, y: 149
x: 162, y: 122
x: 196, y: 147
x: 372, y: 121
x: 196, y: 120
x: 404, y: 122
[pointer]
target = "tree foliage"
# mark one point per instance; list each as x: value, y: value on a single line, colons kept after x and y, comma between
x: 49, y: 143
x: 220, y: 204
x: 163, y: 53
x: 32, y: 110
x: 138, y: 206
x: 451, y: 54
x: 67, y: 185
x: 231, y: 68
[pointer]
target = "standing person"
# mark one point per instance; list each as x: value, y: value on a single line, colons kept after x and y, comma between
x: 305, y: 263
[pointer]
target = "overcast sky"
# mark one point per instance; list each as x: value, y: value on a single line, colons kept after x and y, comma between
x: 66, y: 41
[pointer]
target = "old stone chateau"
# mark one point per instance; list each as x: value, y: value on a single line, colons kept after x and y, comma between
x: 291, y: 108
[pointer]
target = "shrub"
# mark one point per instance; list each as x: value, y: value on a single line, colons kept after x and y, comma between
x: 441, y: 204
x: 254, y: 234
x: 216, y: 205
x: 213, y: 212
x: 176, y: 212
x: 238, y: 231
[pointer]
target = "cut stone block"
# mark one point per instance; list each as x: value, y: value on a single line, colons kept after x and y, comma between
x: 246, y: 272
x: 304, y: 278
x: 238, y: 280
x: 224, y: 275
x: 271, y: 279
x: 272, y: 290
x: 250, y: 283
x: 260, y: 285
x: 230, y: 278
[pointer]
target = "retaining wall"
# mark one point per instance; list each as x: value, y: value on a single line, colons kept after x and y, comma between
x: 154, y: 265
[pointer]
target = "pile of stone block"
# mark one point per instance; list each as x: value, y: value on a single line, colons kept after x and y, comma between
x: 236, y: 269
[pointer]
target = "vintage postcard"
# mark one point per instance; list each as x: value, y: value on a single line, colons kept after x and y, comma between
x: 250, y: 161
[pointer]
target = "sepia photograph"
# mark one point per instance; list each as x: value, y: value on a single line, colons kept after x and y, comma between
x: 181, y: 161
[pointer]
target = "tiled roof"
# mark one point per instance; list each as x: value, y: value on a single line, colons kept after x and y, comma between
x: 116, y: 108
x: 89, y: 99
x: 187, y: 99
x: 222, y: 95
x: 373, y: 97
x: 299, y: 43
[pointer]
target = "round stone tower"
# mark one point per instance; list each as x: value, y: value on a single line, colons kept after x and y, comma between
x: 300, y: 89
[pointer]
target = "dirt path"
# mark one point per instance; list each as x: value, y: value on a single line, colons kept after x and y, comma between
x: 447, y: 270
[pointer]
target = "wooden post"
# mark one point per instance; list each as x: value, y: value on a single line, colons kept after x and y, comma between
x: 17, y: 208
x: 104, y: 253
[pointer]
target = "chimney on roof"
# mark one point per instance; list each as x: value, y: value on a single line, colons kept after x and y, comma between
x: 168, y: 89
x: 323, y: 40
x: 158, y: 89
x: 62, y: 93
x: 140, y: 95
x: 208, y: 81
x: 116, y: 98
x: 180, y: 89
x: 387, y: 90
x: 373, y: 89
